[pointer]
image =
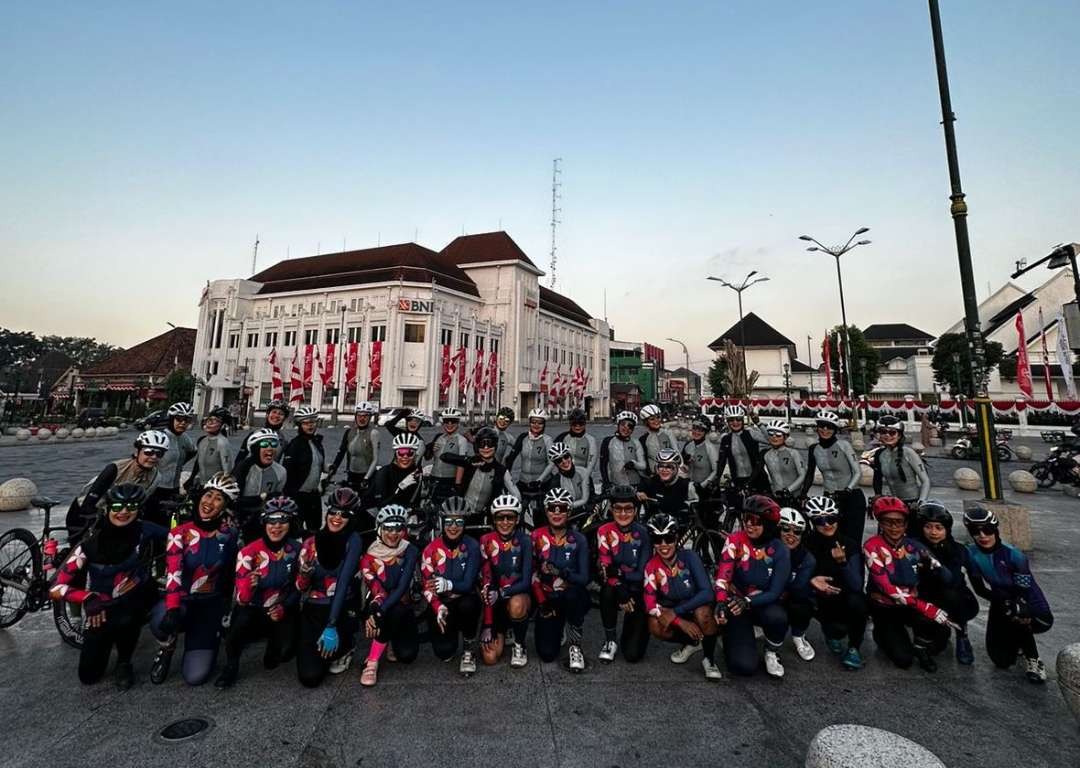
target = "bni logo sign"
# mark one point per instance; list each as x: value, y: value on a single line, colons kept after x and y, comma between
x: 416, y: 306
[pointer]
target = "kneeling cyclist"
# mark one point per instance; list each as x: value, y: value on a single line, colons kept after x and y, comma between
x: 622, y: 550
x: 505, y: 581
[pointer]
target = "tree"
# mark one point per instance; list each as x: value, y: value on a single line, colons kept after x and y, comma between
x: 179, y: 386
x: 717, y: 377
x: 951, y: 347
x: 18, y: 347
x: 726, y: 376
x: 82, y: 350
x: 862, y: 378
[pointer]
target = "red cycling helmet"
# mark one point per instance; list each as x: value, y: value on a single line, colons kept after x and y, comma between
x: 888, y: 505
x: 763, y: 507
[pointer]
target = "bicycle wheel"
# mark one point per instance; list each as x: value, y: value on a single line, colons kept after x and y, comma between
x: 68, y: 620
x: 20, y: 564
x: 707, y: 545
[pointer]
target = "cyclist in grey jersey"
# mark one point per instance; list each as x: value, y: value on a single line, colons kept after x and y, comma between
x: 360, y: 445
x: 740, y: 452
x: 562, y: 473
x: 783, y: 464
x: 582, y: 445
x: 276, y: 413
x: 700, y: 455
x: 483, y: 478
x: 656, y: 437
x: 530, y: 454
x: 840, y: 474
x: 622, y: 461
x: 445, y: 475
x: 213, y: 453
x: 898, y: 464
x: 502, y: 428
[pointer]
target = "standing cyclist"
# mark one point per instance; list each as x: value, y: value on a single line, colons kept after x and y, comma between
x: 840, y: 474
x: 359, y: 449
x: 621, y: 459
x: 656, y: 438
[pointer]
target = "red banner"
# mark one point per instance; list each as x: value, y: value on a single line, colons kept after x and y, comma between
x: 350, y: 364
x: 1023, y: 367
x: 828, y: 366
x: 309, y: 363
x: 328, y: 365
x: 277, y: 386
x: 375, y: 367
x: 296, y: 381
x: 459, y: 369
x: 478, y: 374
x: 1045, y: 358
x: 446, y: 374
x: 543, y: 380
x: 493, y: 372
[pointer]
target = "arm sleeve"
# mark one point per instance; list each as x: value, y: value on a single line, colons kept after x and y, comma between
x: 245, y: 593
x: 714, y: 473
x: 725, y: 569
x: 800, y: 470
x: 878, y: 475
x: 593, y: 456
x: 68, y: 576
x: 853, y: 571
x: 703, y: 595
x: 341, y: 451
x: 879, y: 576
x: 1022, y: 579
x: 548, y: 471
x: 174, y: 570
x: 579, y: 574
x: 920, y: 473
x: 427, y: 571
x: 800, y: 582
x: 456, y: 459
x: 226, y: 454
x: 467, y: 583
x: 779, y: 580
x: 306, y: 556
x: 651, y: 606
x: 408, y: 573
x: 102, y: 483
x: 376, y: 444
x: 521, y: 586
x: 640, y: 464
x: 345, y: 577
x: 509, y: 486
x: 722, y: 455
x: 604, y: 458
x: 644, y: 453
x: 537, y: 585
x: 582, y: 484
x: 605, y: 559
x: 975, y: 577
x: 853, y: 465
x: 375, y: 586
x: 515, y: 451
x: 811, y: 468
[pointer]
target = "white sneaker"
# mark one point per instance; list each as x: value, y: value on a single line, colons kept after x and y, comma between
x: 518, y: 657
x: 773, y: 665
x: 468, y: 663
x: 341, y: 664
x: 607, y: 651
x: 803, y: 648
x: 682, y: 654
x: 712, y: 672
x: 577, y: 659
x: 758, y: 632
x: 1035, y: 670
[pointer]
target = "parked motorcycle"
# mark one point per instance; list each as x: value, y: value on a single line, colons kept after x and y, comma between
x: 967, y: 447
x: 1060, y: 466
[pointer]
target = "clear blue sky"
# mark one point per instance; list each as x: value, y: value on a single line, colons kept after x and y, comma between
x: 145, y: 144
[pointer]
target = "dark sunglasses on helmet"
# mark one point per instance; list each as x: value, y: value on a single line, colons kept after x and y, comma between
x: 506, y: 516
x: 486, y: 443
x: 985, y: 530
x: 789, y: 529
x: 751, y: 519
x: 666, y: 538
x: 338, y: 512
x: 890, y: 432
x: 829, y: 519
x: 558, y: 508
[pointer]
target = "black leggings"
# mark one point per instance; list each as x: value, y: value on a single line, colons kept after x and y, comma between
x: 250, y: 623
x: 121, y: 629
x: 398, y: 627
x: 799, y: 611
x: 852, y: 506
x: 311, y: 667
x: 635, y: 629
x: 310, y: 504
x: 463, y: 618
x: 891, y: 625
x: 740, y: 647
x: 200, y: 621
x: 1006, y: 638
x: 570, y: 606
x: 843, y: 615
x: 959, y: 602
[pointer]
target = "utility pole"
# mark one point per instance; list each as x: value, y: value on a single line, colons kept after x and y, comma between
x: 984, y: 416
x: 254, y: 254
x: 810, y: 362
x: 555, y: 211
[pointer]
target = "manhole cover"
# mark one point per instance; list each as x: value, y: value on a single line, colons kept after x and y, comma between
x: 187, y: 728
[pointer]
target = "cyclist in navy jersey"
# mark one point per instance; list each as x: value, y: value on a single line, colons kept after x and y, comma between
x: 622, y: 550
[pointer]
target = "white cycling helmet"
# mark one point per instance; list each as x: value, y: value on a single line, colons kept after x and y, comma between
x: 507, y: 502
x: 827, y: 419
x: 419, y: 416
x: 649, y: 411
x: 668, y: 457
x: 794, y: 518
x: 821, y: 508
x: 777, y: 427
x: 450, y: 414
x: 365, y: 407
x: 265, y: 433
x: 152, y: 438
x: 557, y: 452
x: 558, y: 496
x: 392, y: 514
x: 306, y: 413
x: 735, y: 411
x: 538, y: 413
x: 180, y: 410
x: 224, y: 483
x: 626, y: 416
x: 406, y: 440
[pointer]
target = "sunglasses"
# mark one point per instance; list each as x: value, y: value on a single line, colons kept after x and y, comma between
x: 506, y: 518
x: 335, y: 512
x: 537, y: 422
x: 892, y: 522
x: 403, y: 452
x: 558, y: 509
x: 277, y: 519
x: 751, y: 520
x: 486, y: 443
x: 825, y: 519
x: 153, y: 452
x: 890, y: 432
x: 790, y: 529
x: 393, y: 526
x: 985, y: 530
x: 267, y: 444
x: 121, y: 507
x: 453, y: 522
x: 667, y: 538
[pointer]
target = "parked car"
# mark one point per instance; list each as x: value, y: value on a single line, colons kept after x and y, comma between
x: 152, y: 420
x: 91, y: 417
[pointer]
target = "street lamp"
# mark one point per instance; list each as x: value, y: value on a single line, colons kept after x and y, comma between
x: 787, y: 392
x: 686, y: 354
x: 746, y: 283
x: 836, y: 252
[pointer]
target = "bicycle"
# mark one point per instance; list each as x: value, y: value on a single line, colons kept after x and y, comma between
x: 28, y: 568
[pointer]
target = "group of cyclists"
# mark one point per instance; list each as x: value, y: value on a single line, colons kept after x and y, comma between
x: 270, y: 546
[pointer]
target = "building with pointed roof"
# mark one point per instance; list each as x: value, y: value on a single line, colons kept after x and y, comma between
x: 767, y: 352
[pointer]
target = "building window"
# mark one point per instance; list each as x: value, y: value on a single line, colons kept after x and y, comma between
x: 463, y: 341
x: 290, y: 338
x: 333, y: 306
x: 355, y: 333
x: 264, y: 393
x: 311, y: 336
x: 414, y: 333
x: 270, y: 339
x: 494, y: 346
x: 219, y: 322
x: 410, y: 398
x: 234, y: 340
x: 332, y: 335
x: 352, y: 305
x: 547, y: 354
x: 479, y: 342
x: 446, y: 337
x: 378, y: 333
x: 252, y: 340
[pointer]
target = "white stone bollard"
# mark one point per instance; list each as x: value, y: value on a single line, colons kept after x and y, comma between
x: 860, y: 746
x: 1022, y: 481
x: 77, y: 433
x: 967, y: 479
x: 1023, y: 452
x: 44, y: 434
x: 62, y: 434
x: 22, y: 435
x: 1068, y: 674
x: 16, y: 493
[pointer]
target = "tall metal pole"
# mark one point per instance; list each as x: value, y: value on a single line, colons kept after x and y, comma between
x: 958, y: 210
x: 742, y: 345
x: 845, y: 355
x: 810, y: 362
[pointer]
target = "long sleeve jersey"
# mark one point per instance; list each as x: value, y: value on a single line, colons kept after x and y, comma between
x: 654, y: 442
x: 458, y: 562
x: 79, y: 578
x: 447, y: 444
x: 802, y: 570
x: 701, y: 458
x: 622, y: 554
x: 181, y: 450
x: 758, y: 572
x: 213, y: 454
x: 361, y: 447
x: 577, y: 482
x: 894, y: 573
x: 199, y: 563
x: 583, y: 448
x: 569, y: 556
x: 389, y: 580
x: 682, y: 586
x: 740, y: 453
x: 673, y: 498
x: 328, y: 586
x: 506, y: 567
x: 904, y: 472
x: 530, y: 454
x: 481, y: 483
x: 785, y: 469
x: 1003, y: 573
x: 848, y: 575
x: 838, y: 464
x: 622, y: 462
x: 275, y: 571
x: 397, y: 485
x: 303, y: 461
x: 504, y: 446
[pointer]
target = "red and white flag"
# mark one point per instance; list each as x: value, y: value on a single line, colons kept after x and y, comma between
x: 1045, y: 358
x: 827, y: 365
x: 459, y: 369
x: 1023, y: 367
x: 309, y: 363
x: 543, y: 380
x: 375, y: 367
x: 493, y: 372
x: 328, y: 366
x: 296, y: 381
x: 351, y: 355
x: 478, y: 374
x: 277, y: 386
x: 446, y: 373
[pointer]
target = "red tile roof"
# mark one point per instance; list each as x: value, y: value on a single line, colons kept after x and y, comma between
x: 559, y: 305
x: 157, y: 356
x: 487, y: 246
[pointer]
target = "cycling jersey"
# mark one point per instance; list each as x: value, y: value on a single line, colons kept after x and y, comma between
x: 81, y: 579
x: 894, y: 573
x: 1002, y: 574
x: 583, y: 448
x: 283, y: 440
x: 482, y: 482
x: 446, y: 444
x: 506, y: 567
x: 622, y: 553
x: 361, y: 446
x: 839, y: 467
x: 504, y: 446
x: 672, y: 498
x: 180, y: 451
x: 802, y: 570
x: 85, y: 512
x: 303, y: 461
x: 740, y: 454
x: 758, y: 572
x: 274, y: 567
x: 700, y: 457
x: 654, y: 442
x: 213, y: 454
x: 569, y: 556
x: 533, y: 455
x: 389, y: 574
x: 682, y: 586
x: 396, y: 485
x: 621, y: 461
x: 847, y: 575
x: 199, y: 563
x: 785, y: 469
x: 322, y: 585
x: 576, y: 481
x: 903, y: 469
x: 457, y: 561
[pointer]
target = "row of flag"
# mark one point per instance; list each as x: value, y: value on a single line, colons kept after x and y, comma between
x: 572, y: 384
x: 480, y: 381
x: 1023, y: 364
x: 310, y: 362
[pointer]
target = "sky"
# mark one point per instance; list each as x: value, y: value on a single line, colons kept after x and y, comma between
x: 143, y: 146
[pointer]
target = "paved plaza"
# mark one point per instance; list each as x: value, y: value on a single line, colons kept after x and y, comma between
x: 652, y: 713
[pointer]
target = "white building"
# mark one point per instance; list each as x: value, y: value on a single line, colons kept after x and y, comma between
x: 767, y: 352
x: 906, y: 354
x: 481, y: 293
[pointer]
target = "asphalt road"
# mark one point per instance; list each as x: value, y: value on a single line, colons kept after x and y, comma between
x: 618, y: 715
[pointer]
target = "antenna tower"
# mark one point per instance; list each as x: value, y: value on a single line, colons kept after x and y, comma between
x: 555, y: 211
x: 254, y: 254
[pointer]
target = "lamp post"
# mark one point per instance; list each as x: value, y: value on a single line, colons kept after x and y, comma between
x: 836, y: 252
x: 787, y: 392
x: 810, y: 362
x: 746, y: 283
x: 686, y: 355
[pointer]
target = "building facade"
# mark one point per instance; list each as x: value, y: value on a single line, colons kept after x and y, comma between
x: 469, y: 326
x: 638, y: 363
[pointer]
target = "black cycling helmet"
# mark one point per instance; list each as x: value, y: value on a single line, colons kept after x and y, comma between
x: 977, y: 516
x: 662, y: 524
x: 486, y: 435
x: 280, y: 509
x: 577, y: 416
x: 933, y: 511
x: 343, y: 499
x: 506, y: 412
x: 890, y: 422
x: 220, y: 412
x: 278, y: 405
x: 127, y: 495
x: 622, y: 493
